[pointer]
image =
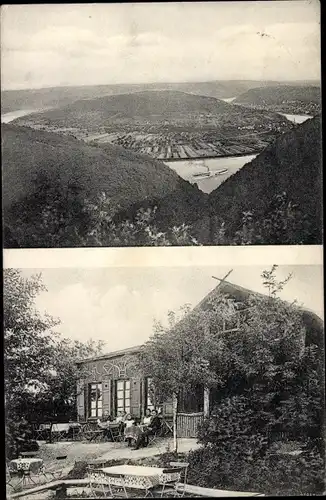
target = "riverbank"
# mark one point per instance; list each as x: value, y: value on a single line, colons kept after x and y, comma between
x: 198, y: 158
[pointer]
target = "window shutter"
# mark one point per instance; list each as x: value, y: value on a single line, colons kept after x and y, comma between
x: 80, y: 400
x: 106, y: 388
x: 135, y: 400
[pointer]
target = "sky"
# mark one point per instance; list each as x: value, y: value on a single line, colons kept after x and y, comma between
x: 89, y: 44
x: 119, y: 304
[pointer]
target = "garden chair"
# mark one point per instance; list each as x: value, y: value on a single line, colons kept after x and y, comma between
x: 9, y: 477
x: 117, y: 486
x: 114, y: 430
x: 183, y: 477
x: 173, y: 476
x: 97, y: 481
x: 152, y: 438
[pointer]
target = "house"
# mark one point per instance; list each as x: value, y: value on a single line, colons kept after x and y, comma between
x: 114, y: 382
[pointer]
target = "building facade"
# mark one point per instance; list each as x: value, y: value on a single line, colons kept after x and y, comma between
x: 114, y: 382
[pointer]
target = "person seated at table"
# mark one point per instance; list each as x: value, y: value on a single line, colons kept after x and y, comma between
x: 121, y: 416
x: 121, y: 420
x: 130, y: 424
x: 104, y: 424
x: 129, y: 421
x: 153, y: 427
x: 106, y: 417
x: 147, y: 417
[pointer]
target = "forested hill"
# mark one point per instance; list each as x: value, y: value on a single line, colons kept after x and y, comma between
x: 146, y: 107
x: 33, y: 99
x: 44, y: 172
x: 291, y: 166
x: 286, y: 98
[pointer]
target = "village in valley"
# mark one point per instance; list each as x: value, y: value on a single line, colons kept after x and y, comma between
x: 225, y: 381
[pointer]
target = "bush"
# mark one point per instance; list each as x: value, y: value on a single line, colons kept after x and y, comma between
x: 272, y: 474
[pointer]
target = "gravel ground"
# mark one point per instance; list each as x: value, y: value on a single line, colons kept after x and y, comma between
x: 82, y: 452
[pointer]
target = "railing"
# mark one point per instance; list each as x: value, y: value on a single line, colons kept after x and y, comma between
x: 187, y: 424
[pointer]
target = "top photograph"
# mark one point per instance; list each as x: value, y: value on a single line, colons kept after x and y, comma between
x: 161, y: 124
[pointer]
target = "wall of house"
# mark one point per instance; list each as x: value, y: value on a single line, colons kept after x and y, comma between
x: 107, y: 372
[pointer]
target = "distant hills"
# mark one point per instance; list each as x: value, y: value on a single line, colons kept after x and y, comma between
x: 41, y: 170
x: 291, y: 165
x: 35, y: 99
x: 285, y: 98
x: 139, y: 107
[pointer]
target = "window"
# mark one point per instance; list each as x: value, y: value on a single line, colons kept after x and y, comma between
x: 95, y: 400
x: 123, y: 395
x: 149, y: 396
x: 233, y: 323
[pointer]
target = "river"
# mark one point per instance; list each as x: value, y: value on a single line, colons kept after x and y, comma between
x: 187, y: 168
x: 296, y: 118
x: 12, y: 115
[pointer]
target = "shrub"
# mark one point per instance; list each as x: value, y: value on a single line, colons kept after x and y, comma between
x: 273, y: 474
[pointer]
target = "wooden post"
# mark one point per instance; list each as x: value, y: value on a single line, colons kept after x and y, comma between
x: 206, y: 402
x: 175, y: 408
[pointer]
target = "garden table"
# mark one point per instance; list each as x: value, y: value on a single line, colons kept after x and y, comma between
x: 26, y: 465
x: 139, y: 477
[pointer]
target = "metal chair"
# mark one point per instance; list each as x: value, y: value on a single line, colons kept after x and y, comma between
x: 183, y: 477
x: 97, y: 480
x: 9, y: 477
x: 172, y: 477
x: 117, y: 485
x: 114, y: 430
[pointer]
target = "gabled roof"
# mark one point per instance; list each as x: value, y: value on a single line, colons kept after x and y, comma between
x: 311, y: 320
x: 113, y: 354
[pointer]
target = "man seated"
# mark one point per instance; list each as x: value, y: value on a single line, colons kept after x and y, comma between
x: 153, y: 427
x: 104, y: 423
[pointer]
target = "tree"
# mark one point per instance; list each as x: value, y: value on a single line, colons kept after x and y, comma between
x: 182, y: 355
x: 57, y: 398
x: 28, y: 339
x: 39, y: 366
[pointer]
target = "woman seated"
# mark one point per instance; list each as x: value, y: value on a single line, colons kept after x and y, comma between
x: 121, y: 418
x: 147, y: 417
x: 131, y: 429
x: 153, y: 427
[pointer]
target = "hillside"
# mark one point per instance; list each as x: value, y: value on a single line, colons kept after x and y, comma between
x: 42, y: 170
x: 149, y: 106
x: 285, y: 98
x: 291, y: 165
x: 164, y: 124
x: 34, y: 99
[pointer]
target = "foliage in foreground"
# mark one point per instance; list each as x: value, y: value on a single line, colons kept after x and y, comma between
x: 272, y: 474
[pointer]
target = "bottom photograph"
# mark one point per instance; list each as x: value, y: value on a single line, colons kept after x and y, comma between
x: 203, y: 381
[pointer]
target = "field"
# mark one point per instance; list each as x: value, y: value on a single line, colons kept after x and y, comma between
x: 165, y: 125
x: 167, y: 143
